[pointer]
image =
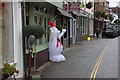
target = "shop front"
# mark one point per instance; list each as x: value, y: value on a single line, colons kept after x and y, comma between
x: 63, y: 19
x: 73, y: 31
x: 78, y: 37
x: 40, y: 14
x: 91, y: 26
x: 83, y: 24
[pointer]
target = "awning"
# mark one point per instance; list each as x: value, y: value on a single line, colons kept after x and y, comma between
x: 75, y: 13
x: 83, y: 13
x: 64, y: 13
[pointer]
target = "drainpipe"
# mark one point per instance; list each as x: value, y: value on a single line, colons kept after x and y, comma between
x: 23, y: 39
x: 94, y: 19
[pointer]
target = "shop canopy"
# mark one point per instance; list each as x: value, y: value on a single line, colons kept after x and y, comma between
x: 64, y: 13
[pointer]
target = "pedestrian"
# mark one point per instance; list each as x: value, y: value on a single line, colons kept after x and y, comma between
x: 97, y: 33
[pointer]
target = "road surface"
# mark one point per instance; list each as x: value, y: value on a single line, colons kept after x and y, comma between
x: 91, y: 59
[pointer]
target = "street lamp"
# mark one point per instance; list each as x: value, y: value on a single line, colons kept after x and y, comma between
x: 31, y: 41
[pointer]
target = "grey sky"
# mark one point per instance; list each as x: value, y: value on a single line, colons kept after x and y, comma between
x: 113, y: 3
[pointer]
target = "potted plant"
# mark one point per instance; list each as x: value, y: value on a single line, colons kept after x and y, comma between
x: 89, y: 5
x: 8, y: 69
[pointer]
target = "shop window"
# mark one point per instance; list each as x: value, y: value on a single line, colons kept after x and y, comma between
x: 27, y: 13
x: 35, y: 19
x: 39, y: 21
x: 45, y: 10
x: 40, y: 41
x: 45, y: 24
x: 74, y: 26
x: 48, y: 33
x: 86, y: 25
x: 83, y: 26
x: 80, y: 26
x: 41, y: 9
x: 27, y: 20
x: 36, y: 8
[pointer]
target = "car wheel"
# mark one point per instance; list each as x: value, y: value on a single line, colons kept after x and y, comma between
x: 102, y: 36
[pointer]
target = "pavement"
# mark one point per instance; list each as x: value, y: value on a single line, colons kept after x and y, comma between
x: 82, y: 58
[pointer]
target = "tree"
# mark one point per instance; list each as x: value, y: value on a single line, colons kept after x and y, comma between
x: 117, y: 22
x: 37, y: 31
x: 89, y: 5
x: 103, y: 15
x: 111, y: 17
x: 97, y: 14
x: 106, y: 16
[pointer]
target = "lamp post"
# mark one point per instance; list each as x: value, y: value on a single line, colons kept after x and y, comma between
x: 31, y: 41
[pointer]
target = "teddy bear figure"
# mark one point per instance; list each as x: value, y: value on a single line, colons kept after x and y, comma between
x: 55, y: 46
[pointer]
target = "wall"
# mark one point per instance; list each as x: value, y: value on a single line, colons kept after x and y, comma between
x: 7, y: 31
x: 18, y: 46
x: 0, y: 37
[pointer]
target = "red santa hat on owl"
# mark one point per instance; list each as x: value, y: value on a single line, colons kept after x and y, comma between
x: 51, y: 24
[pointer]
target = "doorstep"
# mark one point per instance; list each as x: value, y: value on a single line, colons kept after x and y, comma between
x: 36, y: 74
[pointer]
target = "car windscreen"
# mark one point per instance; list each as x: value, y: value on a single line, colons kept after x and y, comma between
x: 108, y: 30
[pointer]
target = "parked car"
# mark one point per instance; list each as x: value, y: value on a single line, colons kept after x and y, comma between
x: 116, y: 32
x: 108, y: 32
x: 119, y: 31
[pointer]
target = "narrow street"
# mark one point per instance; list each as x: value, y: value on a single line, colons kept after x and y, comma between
x: 91, y: 59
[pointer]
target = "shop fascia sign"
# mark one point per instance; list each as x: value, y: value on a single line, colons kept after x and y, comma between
x: 75, y: 6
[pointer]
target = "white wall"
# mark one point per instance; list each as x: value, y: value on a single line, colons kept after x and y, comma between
x: 18, y: 51
x: 6, y: 33
x: 0, y: 39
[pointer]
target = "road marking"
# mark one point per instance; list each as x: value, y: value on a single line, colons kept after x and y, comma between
x: 94, y: 72
x: 95, y: 68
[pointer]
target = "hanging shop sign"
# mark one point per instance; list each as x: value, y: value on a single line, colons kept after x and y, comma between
x: 75, y: 6
x: 81, y: 5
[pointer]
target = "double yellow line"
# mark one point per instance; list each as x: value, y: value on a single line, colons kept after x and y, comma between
x: 94, y: 72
